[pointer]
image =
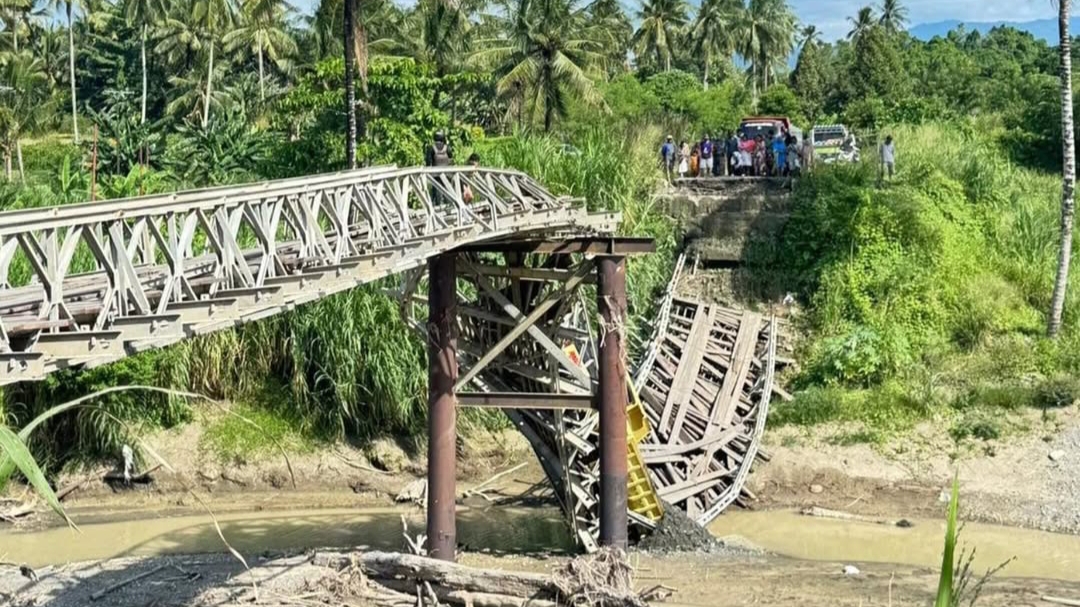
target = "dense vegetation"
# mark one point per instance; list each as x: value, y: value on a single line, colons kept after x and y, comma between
x: 950, y: 267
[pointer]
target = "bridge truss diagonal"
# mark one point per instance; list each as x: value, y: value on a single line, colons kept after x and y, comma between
x: 90, y: 283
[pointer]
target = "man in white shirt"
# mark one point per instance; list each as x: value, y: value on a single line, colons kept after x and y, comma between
x: 888, y: 158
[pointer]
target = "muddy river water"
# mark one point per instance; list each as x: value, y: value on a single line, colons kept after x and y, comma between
x: 530, y: 529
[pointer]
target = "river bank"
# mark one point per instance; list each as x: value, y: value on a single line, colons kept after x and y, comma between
x: 345, y: 497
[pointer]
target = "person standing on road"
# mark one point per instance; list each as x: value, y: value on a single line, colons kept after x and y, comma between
x: 706, y: 156
x: 667, y: 156
x: 888, y: 158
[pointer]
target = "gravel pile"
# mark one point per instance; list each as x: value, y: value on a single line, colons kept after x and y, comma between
x: 676, y: 532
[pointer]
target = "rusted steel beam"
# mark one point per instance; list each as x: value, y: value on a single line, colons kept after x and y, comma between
x: 588, y: 245
x: 611, y: 296
x: 442, y: 420
x: 526, y: 400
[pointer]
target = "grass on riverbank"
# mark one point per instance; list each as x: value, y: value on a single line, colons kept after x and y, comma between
x: 925, y: 299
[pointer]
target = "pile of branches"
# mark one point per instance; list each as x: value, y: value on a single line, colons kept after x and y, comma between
x: 604, y: 579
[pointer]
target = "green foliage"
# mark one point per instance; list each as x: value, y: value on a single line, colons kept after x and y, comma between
x: 673, y: 90
x: 13, y: 448
x: 630, y: 101
x: 780, y: 100
x: 615, y: 171
x: 399, y: 115
x: 227, y: 150
x: 231, y: 438
x: 810, y: 79
x: 925, y: 297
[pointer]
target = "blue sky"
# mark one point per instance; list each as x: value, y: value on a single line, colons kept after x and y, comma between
x: 830, y: 16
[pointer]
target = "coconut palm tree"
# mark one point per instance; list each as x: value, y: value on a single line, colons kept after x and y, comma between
x: 263, y: 32
x: 893, y: 15
x: 661, y: 26
x: 12, y: 14
x: 48, y: 44
x: 143, y: 14
x: 765, y: 34
x: 544, y: 55
x: 24, y: 104
x: 69, y: 7
x: 713, y: 33
x: 1068, y: 173
x: 861, y: 23
x: 192, y: 29
x: 809, y: 35
x: 609, y: 15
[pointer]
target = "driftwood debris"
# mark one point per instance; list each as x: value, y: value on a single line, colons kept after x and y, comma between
x: 848, y: 516
x: 25, y: 509
x: 603, y: 579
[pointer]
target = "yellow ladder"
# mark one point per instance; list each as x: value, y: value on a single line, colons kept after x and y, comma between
x: 641, y: 496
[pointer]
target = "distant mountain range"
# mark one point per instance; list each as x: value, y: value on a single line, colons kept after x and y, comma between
x: 1045, y: 29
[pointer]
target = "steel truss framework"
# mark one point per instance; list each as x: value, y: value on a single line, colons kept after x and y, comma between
x: 517, y: 313
x: 87, y: 284
x: 705, y: 380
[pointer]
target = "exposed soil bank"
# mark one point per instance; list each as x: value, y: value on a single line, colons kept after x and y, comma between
x: 1030, y: 480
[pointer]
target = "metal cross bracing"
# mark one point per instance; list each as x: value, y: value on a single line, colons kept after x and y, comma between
x: 87, y: 284
x: 528, y: 343
x: 705, y: 380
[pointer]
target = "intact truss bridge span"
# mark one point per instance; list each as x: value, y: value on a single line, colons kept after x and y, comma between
x: 504, y: 262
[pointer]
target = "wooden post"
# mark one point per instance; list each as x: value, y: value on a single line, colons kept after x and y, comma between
x: 611, y: 295
x: 442, y: 414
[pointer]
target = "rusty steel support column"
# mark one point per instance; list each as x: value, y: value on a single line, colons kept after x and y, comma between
x: 442, y: 414
x: 611, y: 295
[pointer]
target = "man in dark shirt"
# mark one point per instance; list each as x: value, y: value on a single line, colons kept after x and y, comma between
x: 731, y: 147
x: 439, y: 154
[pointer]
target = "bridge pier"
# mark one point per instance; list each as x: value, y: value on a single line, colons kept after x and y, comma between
x: 611, y: 302
x: 442, y: 414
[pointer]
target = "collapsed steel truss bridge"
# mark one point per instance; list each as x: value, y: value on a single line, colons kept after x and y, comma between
x: 499, y: 262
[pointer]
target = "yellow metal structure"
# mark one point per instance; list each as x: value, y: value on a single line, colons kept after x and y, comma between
x: 641, y: 497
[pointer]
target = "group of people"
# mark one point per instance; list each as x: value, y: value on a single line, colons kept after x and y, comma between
x: 781, y: 154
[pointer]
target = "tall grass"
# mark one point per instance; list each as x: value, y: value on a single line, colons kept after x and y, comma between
x: 612, y: 170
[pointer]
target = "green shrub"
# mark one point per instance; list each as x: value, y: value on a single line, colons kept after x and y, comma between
x: 1060, y: 390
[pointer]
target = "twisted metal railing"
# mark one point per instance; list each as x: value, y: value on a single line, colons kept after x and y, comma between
x: 86, y: 284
